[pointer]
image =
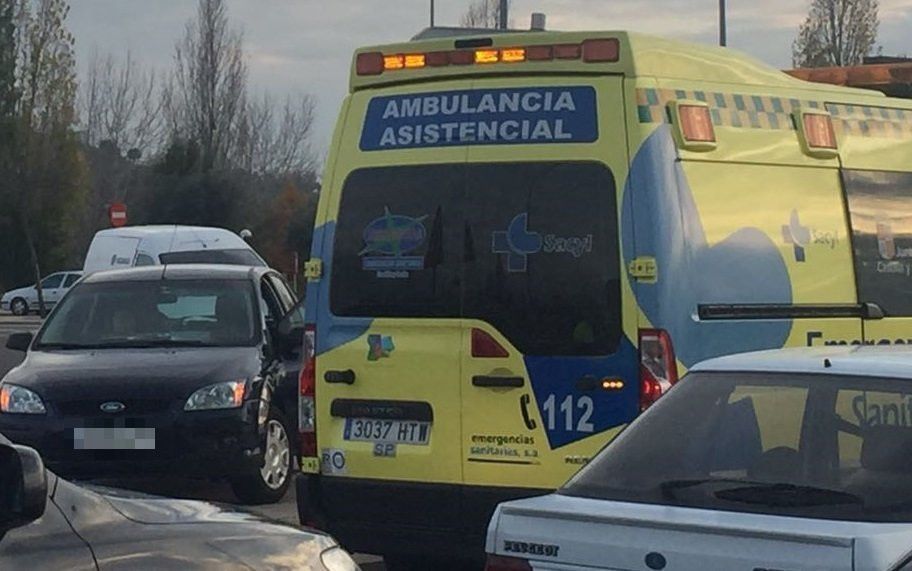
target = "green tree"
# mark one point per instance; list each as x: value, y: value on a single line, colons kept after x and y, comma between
x: 45, y: 171
x: 837, y: 33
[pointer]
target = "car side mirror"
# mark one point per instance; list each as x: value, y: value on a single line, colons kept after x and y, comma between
x: 23, y: 487
x: 19, y: 341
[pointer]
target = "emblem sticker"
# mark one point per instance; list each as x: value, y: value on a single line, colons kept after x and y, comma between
x: 389, y: 245
x: 380, y: 346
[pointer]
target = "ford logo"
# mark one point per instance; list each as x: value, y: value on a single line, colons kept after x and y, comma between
x: 112, y: 407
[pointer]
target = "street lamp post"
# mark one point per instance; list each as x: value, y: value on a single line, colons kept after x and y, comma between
x: 504, y: 8
x: 432, y: 13
x: 723, y: 24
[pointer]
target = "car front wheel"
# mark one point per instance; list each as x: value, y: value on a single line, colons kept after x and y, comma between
x: 270, y: 482
x: 19, y: 307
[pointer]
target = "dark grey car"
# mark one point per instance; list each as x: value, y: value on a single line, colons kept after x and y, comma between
x: 48, y: 523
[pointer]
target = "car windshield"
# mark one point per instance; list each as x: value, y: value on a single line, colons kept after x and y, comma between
x: 153, y: 313
x: 821, y: 446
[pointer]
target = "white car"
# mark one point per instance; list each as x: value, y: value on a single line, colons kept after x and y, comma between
x: 130, y: 246
x: 25, y: 299
x: 785, y: 460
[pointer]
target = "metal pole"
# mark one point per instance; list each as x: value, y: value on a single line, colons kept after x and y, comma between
x: 432, y: 13
x: 504, y: 8
x: 723, y: 24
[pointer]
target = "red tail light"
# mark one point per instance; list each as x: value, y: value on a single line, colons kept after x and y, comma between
x: 307, y: 385
x: 498, y: 563
x: 658, y: 366
x: 486, y: 347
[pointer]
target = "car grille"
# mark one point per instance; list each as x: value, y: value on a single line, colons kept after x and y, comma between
x: 92, y: 407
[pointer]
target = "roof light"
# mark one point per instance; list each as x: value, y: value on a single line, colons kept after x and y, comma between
x: 487, y: 56
x: 696, y: 124
x: 513, y: 55
x: 438, y: 59
x: 393, y: 62
x: 462, y: 57
x: 413, y: 61
x: 567, y: 51
x: 539, y: 53
x: 604, y: 50
x: 818, y: 129
x: 370, y: 63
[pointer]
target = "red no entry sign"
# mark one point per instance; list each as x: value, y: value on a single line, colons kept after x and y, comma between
x: 117, y: 212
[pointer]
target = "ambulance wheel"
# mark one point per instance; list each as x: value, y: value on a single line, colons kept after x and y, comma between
x: 270, y: 482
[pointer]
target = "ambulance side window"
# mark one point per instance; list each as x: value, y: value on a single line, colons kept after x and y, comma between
x: 881, y: 217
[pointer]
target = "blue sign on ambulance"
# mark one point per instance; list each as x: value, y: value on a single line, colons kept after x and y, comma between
x: 481, y: 117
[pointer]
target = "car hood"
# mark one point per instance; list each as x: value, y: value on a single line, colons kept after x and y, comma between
x: 182, y: 533
x: 158, y: 373
x: 17, y: 292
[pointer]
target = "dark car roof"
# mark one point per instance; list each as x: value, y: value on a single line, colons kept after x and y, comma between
x: 179, y: 272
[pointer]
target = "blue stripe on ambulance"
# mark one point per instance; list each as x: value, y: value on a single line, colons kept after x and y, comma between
x: 745, y: 267
x: 332, y: 331
x: 570, y: 414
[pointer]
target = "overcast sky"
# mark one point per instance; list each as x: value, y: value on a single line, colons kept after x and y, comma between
x: 305, y: 46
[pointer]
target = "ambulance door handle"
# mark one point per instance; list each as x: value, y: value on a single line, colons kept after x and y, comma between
x: 490, y: 382
x: 340, y: 377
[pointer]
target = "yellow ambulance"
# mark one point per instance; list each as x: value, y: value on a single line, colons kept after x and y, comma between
x: 524, y: 238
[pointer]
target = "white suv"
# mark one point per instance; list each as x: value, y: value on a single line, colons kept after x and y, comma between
x: 788, y: 460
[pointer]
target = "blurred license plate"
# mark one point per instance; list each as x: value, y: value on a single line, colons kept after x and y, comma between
x: 397, y: 431
x: 114, y: 438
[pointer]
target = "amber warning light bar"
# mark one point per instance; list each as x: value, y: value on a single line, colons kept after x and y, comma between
x: 589, y: 51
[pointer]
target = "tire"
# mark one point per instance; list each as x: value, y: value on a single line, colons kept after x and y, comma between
x: 269, y: 483
x: 19, y: 307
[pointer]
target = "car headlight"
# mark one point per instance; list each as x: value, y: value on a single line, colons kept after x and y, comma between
x: 336, y: 559
x: 20, y: 400
x: 218, y: 396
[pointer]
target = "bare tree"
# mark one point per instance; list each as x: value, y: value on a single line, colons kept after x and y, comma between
x: 837, y: 33
x: 482, y: 14
x: 276, y: 140
x: 207, y: 96
x: 121, y: 105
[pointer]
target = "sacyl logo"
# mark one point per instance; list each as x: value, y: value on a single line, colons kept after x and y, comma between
x: 797, y: 235
x: 518, y: 242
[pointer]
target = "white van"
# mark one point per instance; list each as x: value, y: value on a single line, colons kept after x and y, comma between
x: 119, y: 248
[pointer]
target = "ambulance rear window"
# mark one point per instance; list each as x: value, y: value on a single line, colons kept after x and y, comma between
x: 880, y: 206
x: 531, y: 248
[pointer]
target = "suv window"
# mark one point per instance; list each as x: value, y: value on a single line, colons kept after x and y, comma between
x: 499, y: 242
x: 70, y: 280
x: 881, y: 216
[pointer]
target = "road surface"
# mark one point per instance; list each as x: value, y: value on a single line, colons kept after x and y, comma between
x: 284, y: 511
